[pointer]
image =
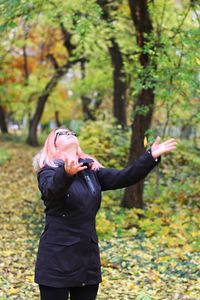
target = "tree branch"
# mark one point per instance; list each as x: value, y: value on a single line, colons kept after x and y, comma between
x: 53, y: 61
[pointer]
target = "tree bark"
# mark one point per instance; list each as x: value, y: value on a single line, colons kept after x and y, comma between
x: 89, y: 113
x: 119, y: 78
x: 24, y: 48
x: 32, y: 136
x: 57, y: 119
x: 3, y: 124
x: 186, y: 131
x: 119, y: 81
x: 133, y: 196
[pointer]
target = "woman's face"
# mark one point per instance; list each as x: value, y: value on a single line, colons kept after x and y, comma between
x: 65, y: 139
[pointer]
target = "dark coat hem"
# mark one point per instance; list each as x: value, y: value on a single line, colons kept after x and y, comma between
x: 65, y: 283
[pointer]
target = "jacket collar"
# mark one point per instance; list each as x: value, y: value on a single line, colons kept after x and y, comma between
x: 87, y: 161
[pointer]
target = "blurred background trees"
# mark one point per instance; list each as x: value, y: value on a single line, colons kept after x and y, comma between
x: 131, y: 66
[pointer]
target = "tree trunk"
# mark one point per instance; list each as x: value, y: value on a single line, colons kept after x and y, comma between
x: 186, y: 131
x: 119, y: 78
x: 133, y: 196
x: 32, y: 136
x: 119, y: 81
x: 3, y: 124
x: 57, y: 119
x: 88, y: 112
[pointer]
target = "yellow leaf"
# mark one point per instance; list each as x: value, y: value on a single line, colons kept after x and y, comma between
x: 145, y: 142
x: 180, y: 255
x: 163, y: 258
x: 165, y: 231
x: 13, y: 291
x: 132, y: 286
x: 30, y: 278
x: 187, y: 248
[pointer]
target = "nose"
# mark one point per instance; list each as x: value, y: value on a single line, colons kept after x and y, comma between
x: 71, y: 133
x: 67, y: 133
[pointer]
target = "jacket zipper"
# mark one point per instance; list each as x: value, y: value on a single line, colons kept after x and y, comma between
x: 89, y: 183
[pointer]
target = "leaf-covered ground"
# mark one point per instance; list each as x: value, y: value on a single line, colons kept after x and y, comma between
x: 153, y: 257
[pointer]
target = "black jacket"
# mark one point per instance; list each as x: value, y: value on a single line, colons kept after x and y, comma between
x: 68, y: 252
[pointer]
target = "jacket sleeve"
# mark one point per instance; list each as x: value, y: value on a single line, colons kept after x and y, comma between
x: 111, y: 179
x: 54, y: 182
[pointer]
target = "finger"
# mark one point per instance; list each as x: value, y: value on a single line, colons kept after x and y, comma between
x: 67, y: 161
x: 157, y: 140
x: 79, y: 165
x: 82, y: 168
x: 94, y: 166
x: 171, y: 145
x: 71, y: 164
x: 67, y: 166
x: 172, y: 148
x: 169, y: 141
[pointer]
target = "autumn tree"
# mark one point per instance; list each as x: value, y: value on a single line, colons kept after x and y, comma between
x: 135, y: 60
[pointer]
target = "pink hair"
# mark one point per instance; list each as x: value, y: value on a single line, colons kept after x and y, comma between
x: 48, y: 154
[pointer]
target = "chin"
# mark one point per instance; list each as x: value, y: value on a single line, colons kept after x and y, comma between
x: 72, y: 141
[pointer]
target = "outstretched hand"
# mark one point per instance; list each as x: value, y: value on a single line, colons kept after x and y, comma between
x: 158, y: 148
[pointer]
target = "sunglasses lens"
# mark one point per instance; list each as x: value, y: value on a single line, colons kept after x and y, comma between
x: 65, y: 133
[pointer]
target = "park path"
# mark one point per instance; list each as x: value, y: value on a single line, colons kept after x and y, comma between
x: 18, y: 190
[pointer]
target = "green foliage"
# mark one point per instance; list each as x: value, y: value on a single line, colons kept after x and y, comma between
x: 173, y: 69
x: 143, y: 296
x: 179, y: 170
x: 4, y: 156
x: 106, y: 141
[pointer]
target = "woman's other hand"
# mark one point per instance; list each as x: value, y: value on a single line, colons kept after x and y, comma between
x: 96, y: 165
x: 158, y: 148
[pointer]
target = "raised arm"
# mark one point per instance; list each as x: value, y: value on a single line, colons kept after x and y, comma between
x: 111, y: 179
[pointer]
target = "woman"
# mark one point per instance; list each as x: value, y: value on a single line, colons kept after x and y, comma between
x: 71, y: 182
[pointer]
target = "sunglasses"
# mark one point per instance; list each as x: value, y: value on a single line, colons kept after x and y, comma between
x: 67, y: 132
